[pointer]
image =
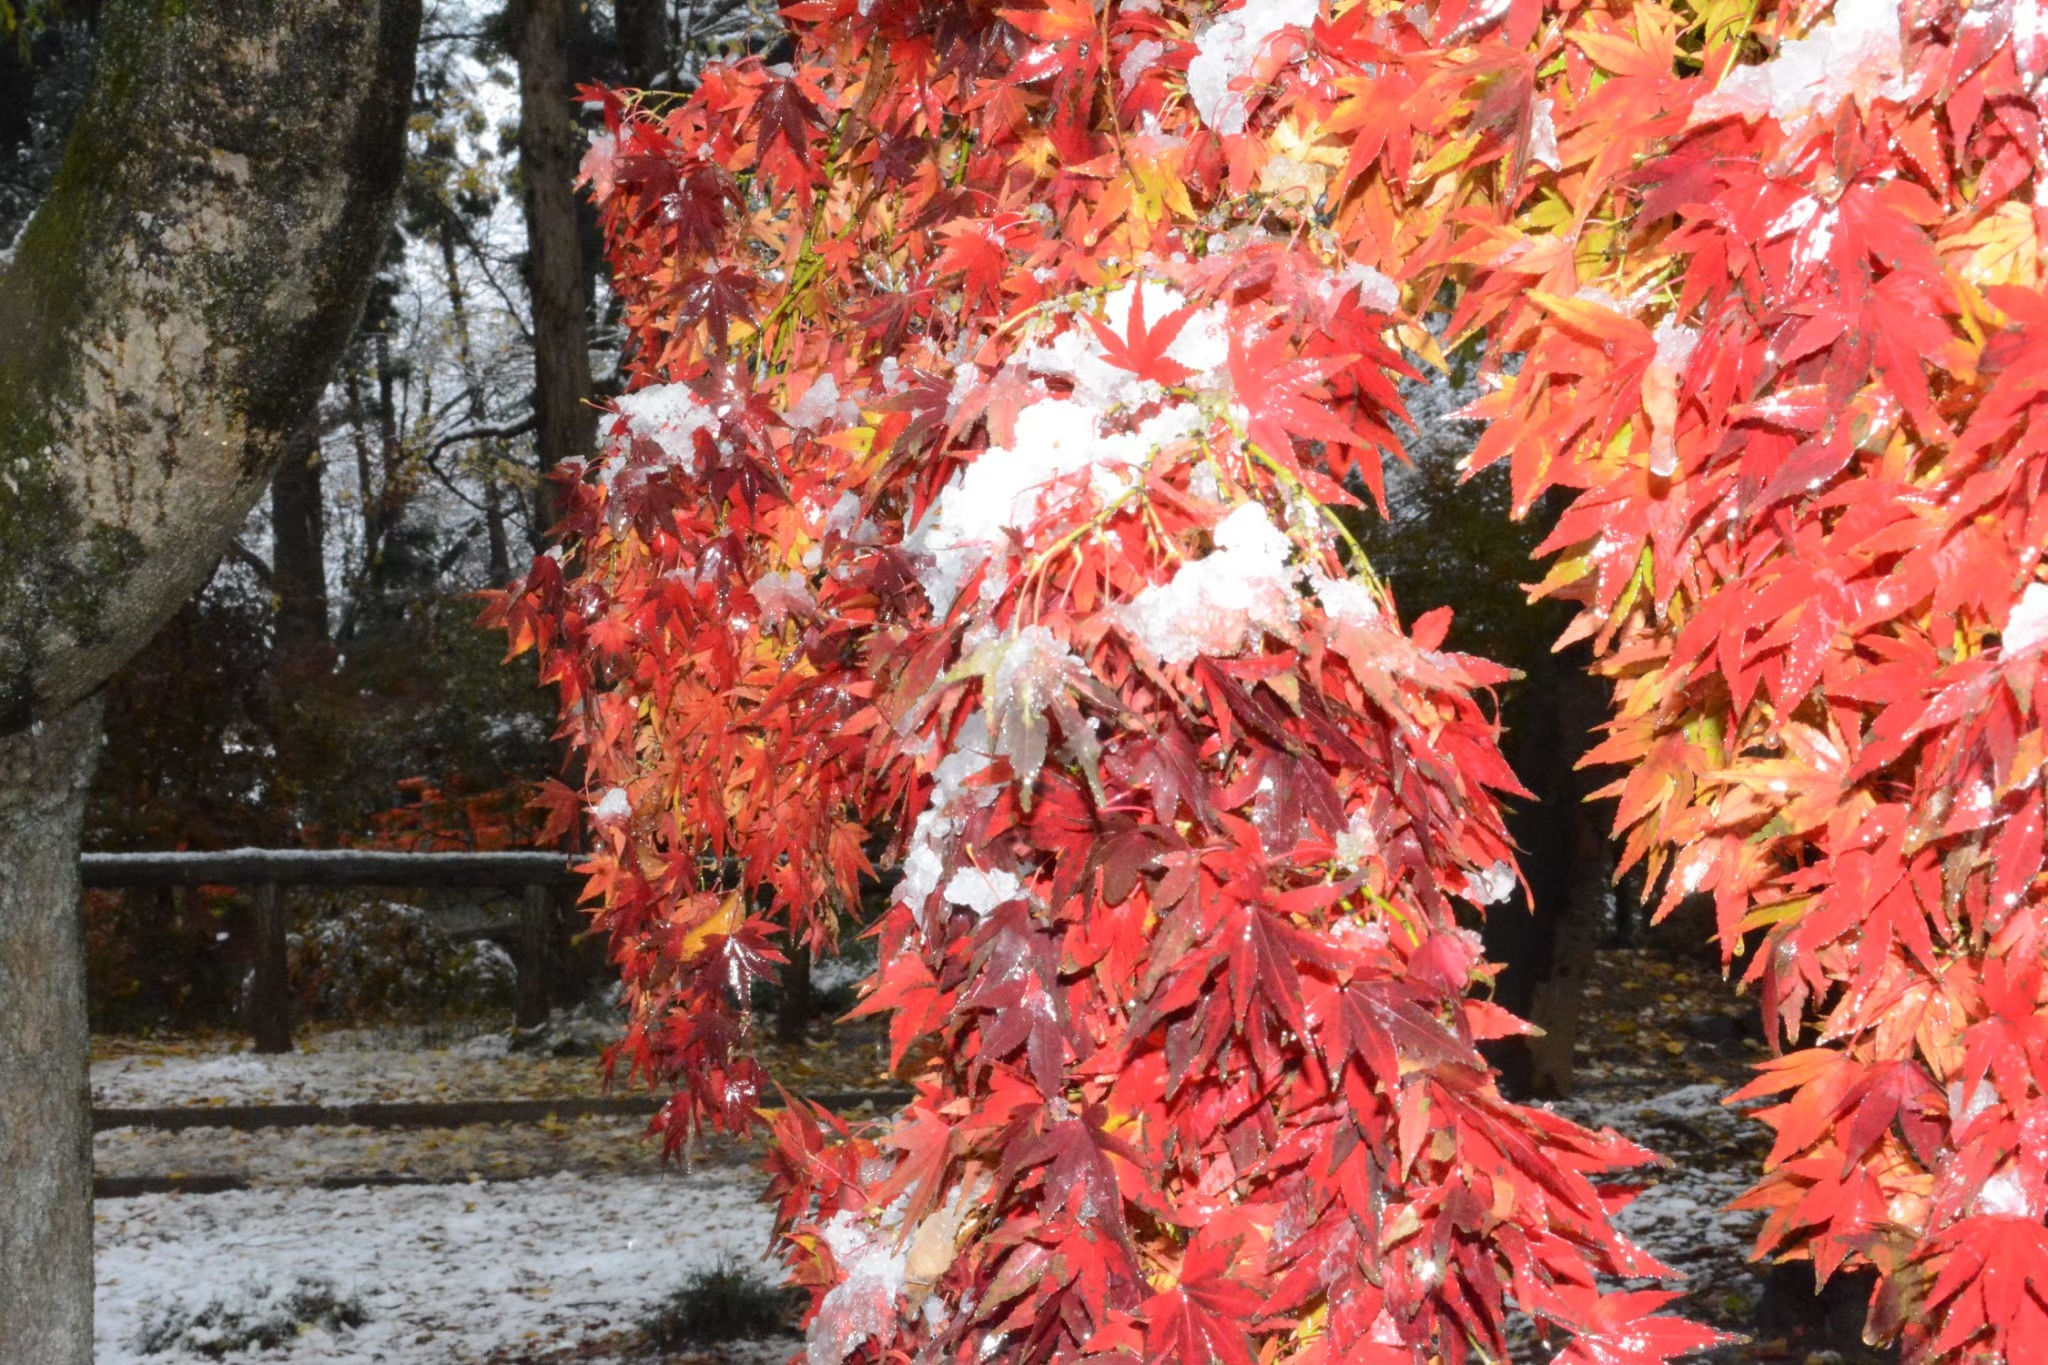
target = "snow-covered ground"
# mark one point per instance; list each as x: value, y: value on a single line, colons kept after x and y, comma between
x: 1682, y: 1218
x: 337, y: 1069
x: 447, y: 1274
x: 596, y: 1145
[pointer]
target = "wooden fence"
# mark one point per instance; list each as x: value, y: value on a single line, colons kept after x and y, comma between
x: 269, y: 870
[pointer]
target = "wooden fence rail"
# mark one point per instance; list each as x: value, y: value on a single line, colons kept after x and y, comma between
x: 269, y: 870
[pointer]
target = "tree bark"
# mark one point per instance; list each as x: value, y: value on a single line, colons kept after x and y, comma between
x: 642, y: 29
x: 566, y: 424
x: 1545, y: 943
x: 298, y: 560
x: 499, y: 551
x: 175, y: 306
x: 169, y: 317
x: 799, y: 1000
x: 45, y: 1108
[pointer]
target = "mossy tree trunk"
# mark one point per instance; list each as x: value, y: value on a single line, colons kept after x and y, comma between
x: 45, y: 1110
x: 171, y: 314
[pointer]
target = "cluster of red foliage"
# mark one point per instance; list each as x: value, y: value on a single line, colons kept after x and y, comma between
x: 996, y: 370
x: 437, y: 817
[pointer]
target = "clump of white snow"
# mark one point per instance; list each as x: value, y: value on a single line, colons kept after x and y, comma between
x: 1139, y: 60
x: 782, y: 595
x: 1491, y: 885
x: 863, y: 1305
x: 1543, y: 135
x: 1212, y: 604
x: 615, y: 804
x: 670, y: 415
x: 1346, y: 600
x: 1059, y: 454
x: 1856, y: 55
x: 1227, y: 50
x: 1375, y: 290
x: 2005, y: 1196
x: 1675, y: 343
x: 2028, y: 624
x: 983, y: 890
x: 1357, y: 842
x: 952, y: 801
x: 1007, y: 491
x: 1076, y: 354
x: 821, y: 404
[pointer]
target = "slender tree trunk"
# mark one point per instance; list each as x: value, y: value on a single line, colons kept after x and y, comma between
x: 549, y: 153
x: 1581, y: 926
x: 298, y: 561
x: 494, y: 513
x: 1546, y: 944
x: 799, y: 1000
x: 367, y: 498
x: 45, y: 1108
x: 642, y: 27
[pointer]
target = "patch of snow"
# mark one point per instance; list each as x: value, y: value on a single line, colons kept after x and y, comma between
x: 1961, y: 1112
x: 952, y: 800
x: 1212, y: 604
x: 670, y: 415
x: 1857, y: 54
x: 1543, y: 135
x: 1139, y: 60
x: 615, y: 804
x: 1794, y: 218
x: 1227, y: 49
x: 1076, y: 354
x: 1375, y: 290
x: 2005, y: 1196
x: 1675, y: 343
x: 1355, y: 843
x: 452, y: 1273
x: 821, y: 404
x: 982, y: 891
x: 328, y: 1070
x: 1059, y: 453
x: 1346, y: 600
x: 782, y: 595
x: 1491, y: 886
x: 863, y: 1305
x: 2028, y: 624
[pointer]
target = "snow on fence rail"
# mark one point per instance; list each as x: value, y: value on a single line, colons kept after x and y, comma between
x: 326, y: 867
x: 268, y: 870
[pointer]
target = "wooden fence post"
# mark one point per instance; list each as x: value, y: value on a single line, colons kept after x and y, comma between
x: 533, y: 957
x: 270, y: 999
